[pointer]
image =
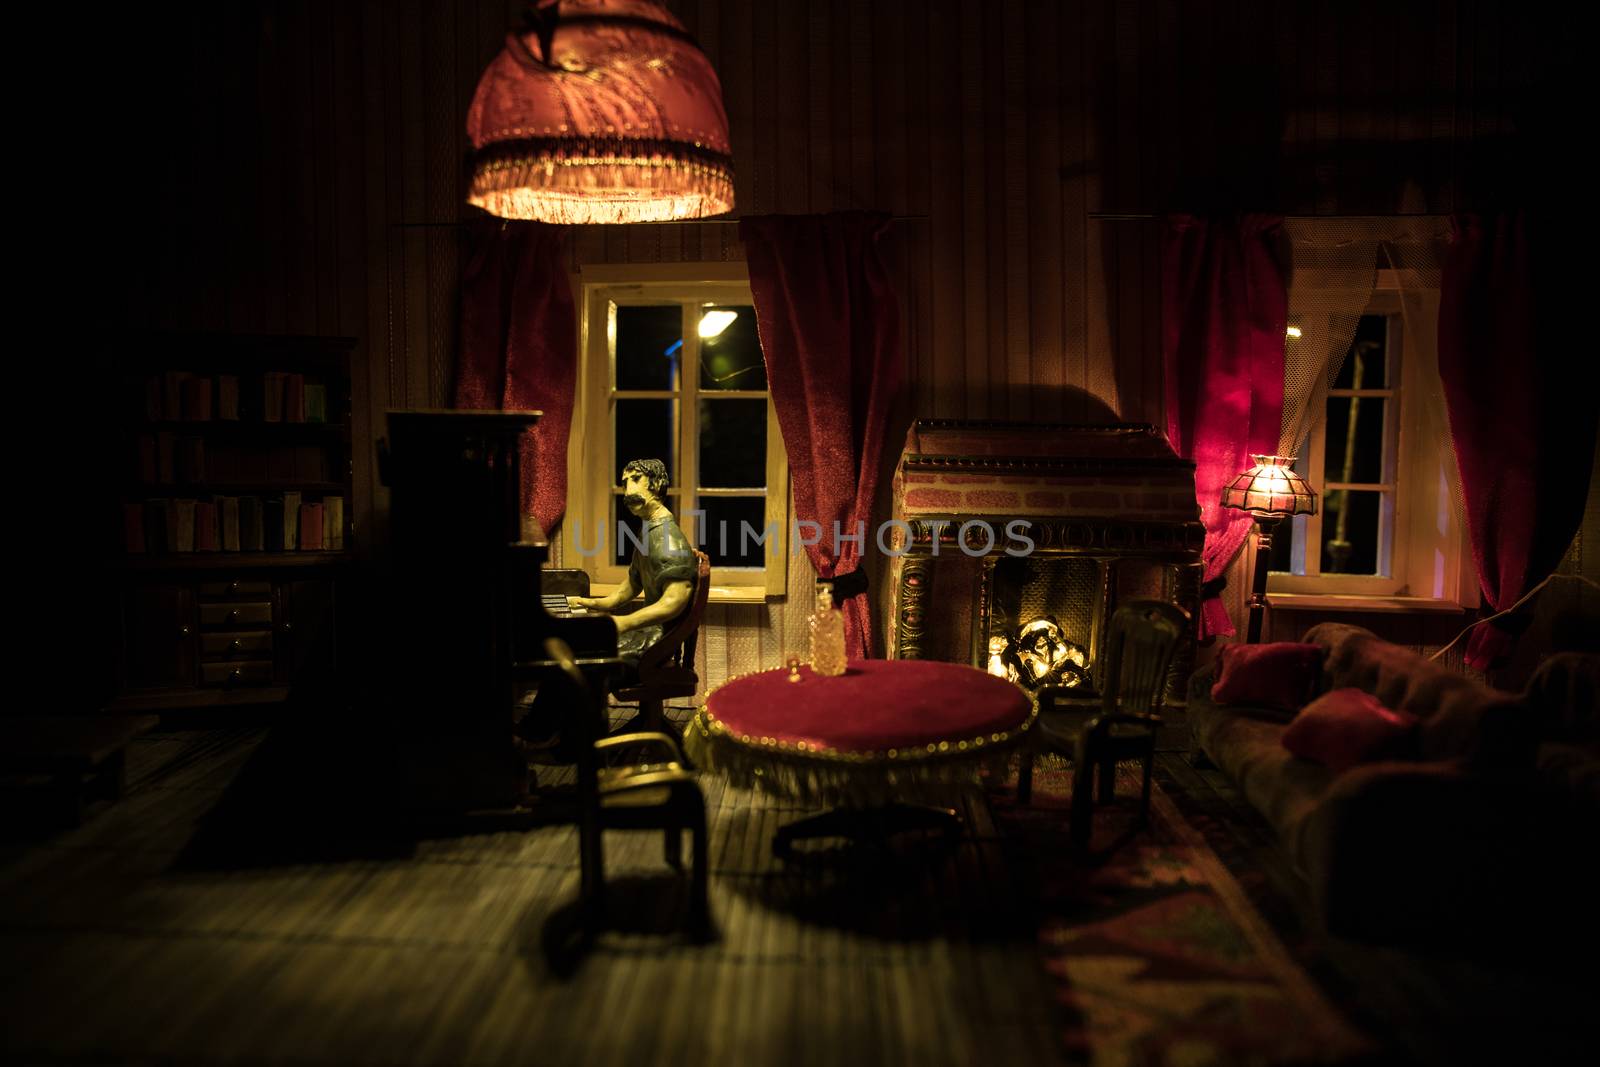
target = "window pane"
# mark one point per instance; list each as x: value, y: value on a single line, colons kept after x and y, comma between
x: 733, y: 444
x: 1366, y: 364
x: 649, y: 346
x: 1350, y: 530
x: 1281, y: 559
x: 730, y: 358
x: 1354, y: 439
x: 730, y: 528
x: 645, y: 429
x: 621, y: 544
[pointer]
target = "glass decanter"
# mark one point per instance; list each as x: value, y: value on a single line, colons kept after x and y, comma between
x: 827, y: 635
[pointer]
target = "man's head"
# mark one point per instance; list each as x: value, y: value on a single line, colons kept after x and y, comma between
x: 643, y: 482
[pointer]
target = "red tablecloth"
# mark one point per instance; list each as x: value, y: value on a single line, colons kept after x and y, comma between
x: 875, y: 706
x: 869, y: 733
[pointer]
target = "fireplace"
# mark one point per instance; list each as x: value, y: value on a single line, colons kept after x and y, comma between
x: 1016, y: 542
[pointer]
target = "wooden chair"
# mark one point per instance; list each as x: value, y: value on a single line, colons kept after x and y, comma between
x: 642, y: 796
x: 1132, y: 677
x: 666, y: 669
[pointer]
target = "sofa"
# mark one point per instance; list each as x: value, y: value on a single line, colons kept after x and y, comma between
x: 1481, y: 831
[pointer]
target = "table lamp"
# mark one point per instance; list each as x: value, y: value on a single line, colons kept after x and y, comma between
x: 1270, y: 491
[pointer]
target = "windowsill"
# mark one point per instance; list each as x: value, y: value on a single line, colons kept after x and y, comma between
x: 1358, y: 603
x: 720, y: 594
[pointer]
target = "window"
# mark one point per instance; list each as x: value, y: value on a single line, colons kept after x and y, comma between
x: 672, y: 369
x: 1382, y: 465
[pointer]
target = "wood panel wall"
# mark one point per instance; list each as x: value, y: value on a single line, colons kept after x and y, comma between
x: 300, y: 166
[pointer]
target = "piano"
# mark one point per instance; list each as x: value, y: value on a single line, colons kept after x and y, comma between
x: 470, y: 602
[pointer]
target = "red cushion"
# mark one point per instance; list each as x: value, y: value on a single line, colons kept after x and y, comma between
x: 1344, y: 728
x: 1281, y: 675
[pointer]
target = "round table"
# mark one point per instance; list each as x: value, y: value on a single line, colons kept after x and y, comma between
x: 871, y: 738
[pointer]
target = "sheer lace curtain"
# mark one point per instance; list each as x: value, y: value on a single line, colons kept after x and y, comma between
x: 1335, y: 271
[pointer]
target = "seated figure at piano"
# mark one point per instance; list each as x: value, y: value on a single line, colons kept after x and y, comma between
x: 662, y: 572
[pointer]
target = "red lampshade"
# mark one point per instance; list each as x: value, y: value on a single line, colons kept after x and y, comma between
x: 605, y: 111
x: 1271, y: 487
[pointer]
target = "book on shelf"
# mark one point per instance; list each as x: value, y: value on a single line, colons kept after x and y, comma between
x: 252, y: 525
x: 294, y: 397
x: 228, y: 397
x: 311, y: 527
x: 172, y: 394
x: 310, y: 463
x: 291, y: 520
x: 191, y: 459
x: 272, y: 524
x: 205, y: 526
x: 333, y: 523
x: 228, y: 522
x: 133, y: 533
x: 272, y: 396
x: 316, y: 402
x: 180, y: 524
x: 166, y: 460
x: 197, y: 399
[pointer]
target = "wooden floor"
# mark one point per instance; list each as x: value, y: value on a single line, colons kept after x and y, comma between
x: 191, y: 923
x: 158, y: 932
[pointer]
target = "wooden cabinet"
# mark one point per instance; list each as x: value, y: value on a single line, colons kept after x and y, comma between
x: 232, y: 519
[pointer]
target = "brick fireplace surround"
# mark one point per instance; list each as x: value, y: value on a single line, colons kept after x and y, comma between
x: 1110, y: 510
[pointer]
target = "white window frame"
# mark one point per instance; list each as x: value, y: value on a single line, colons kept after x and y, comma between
x: 1423, y: 550
x: 592, y: 470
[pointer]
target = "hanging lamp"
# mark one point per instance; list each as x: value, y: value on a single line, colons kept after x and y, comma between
x: 600, y: 111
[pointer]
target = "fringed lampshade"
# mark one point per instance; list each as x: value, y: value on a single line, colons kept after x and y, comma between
x: 1271, y: 486
x: 1271, y: 491
x: 601, y: 111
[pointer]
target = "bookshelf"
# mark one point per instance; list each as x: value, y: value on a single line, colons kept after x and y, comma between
x: 231, y: 527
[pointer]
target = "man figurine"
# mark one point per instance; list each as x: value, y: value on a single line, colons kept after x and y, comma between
x: 663, y: 571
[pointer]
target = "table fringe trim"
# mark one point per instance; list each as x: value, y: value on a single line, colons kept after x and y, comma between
x: 826, y: 778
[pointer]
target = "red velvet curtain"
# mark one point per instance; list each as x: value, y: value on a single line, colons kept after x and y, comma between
x: 1225, y: 307
x: 829, y: 326
x: 519, y: 347
x: 1522, y: 392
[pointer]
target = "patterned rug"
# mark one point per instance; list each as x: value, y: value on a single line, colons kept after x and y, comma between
x: 1158, y: 954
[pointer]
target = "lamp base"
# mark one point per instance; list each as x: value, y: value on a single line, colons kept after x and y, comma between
x: 1265, y: 526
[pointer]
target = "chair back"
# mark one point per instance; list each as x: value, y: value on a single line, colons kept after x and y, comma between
x: 677, y: 644
x: 1140, y: 642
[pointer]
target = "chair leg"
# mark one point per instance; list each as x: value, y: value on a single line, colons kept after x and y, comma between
x: 673, y: 840
x: 1108, y: 780
x: 699, y: 886
x: 1081, y: 812
x: 651, y: 716
x: 1025, y: 776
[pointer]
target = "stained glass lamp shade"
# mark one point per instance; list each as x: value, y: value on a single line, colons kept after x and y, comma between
x: 1271, y: 491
